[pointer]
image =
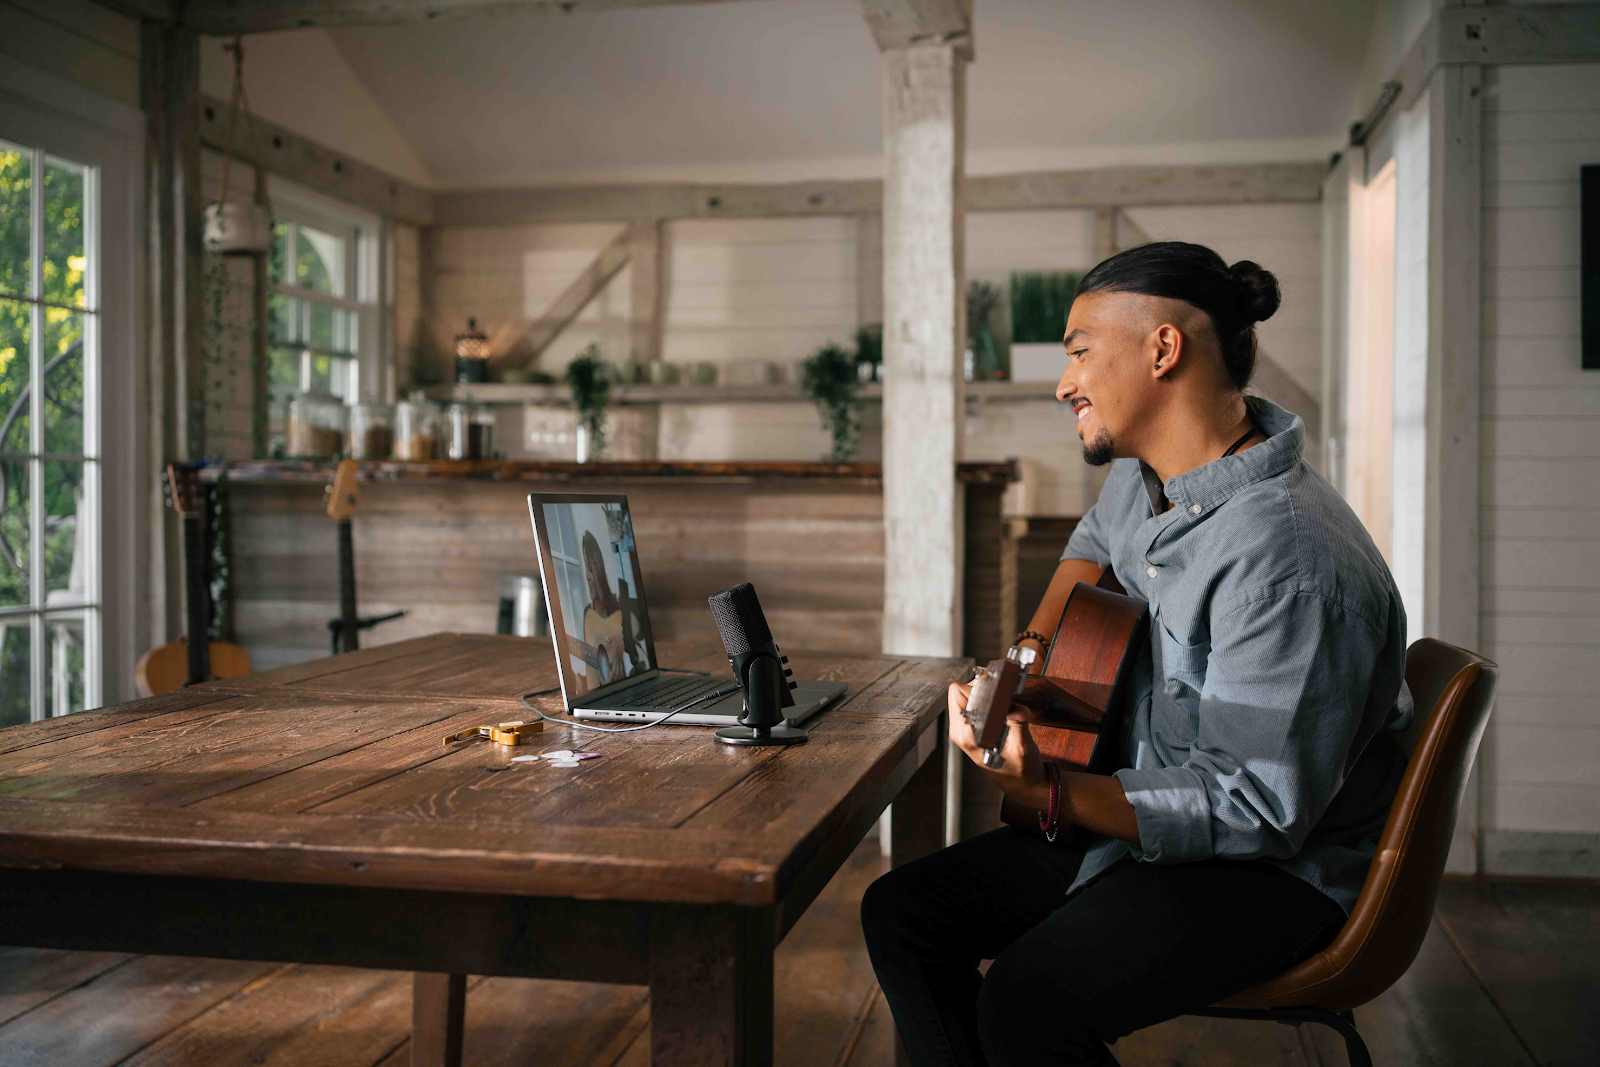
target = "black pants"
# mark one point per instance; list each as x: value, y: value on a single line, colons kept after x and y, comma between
x: 1142, y: 944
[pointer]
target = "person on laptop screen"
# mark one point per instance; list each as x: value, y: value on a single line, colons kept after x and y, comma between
x: 596, y: 569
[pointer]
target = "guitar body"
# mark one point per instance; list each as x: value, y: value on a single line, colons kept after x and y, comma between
x: 166, y: 667
x: 1076, y: 704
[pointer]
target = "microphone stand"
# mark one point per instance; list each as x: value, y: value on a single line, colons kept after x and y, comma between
x: 764, y: 679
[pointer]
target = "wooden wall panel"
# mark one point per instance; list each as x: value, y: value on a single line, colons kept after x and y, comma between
x: 437, y: 549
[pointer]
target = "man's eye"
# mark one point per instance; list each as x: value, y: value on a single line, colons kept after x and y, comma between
x: 1077, y: 351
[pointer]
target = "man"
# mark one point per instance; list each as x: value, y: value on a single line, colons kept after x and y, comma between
x: 1258, y: 758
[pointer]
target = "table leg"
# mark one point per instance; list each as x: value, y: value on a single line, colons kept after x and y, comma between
x: 916, y: 825
x: 438, y: 1017
x: 711, y: 986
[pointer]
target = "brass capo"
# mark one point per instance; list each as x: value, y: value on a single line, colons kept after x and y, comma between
x: 504, y: 733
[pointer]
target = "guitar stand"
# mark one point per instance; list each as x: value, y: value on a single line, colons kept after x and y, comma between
x: 336, y: 627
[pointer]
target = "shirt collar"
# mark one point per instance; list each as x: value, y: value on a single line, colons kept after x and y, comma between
x: 1211, y: 484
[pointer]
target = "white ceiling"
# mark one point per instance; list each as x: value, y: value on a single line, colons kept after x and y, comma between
x: 762, y: 89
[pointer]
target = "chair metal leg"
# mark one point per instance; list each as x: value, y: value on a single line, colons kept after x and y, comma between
x: 1343, y: 1023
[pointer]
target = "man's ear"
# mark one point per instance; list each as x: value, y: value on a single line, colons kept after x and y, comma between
x: 1166, y: 344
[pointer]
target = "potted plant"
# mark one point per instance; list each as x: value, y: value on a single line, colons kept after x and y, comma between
x: 830, y: 379
x: 590, y: 381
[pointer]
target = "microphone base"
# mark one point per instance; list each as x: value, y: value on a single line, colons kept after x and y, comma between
x: 763, y: 735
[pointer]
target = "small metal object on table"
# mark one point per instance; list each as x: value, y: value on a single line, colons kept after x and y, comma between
x: 310, y: 814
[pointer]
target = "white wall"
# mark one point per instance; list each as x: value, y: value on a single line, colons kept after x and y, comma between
x: 1541, y: 462
x: 1408, y: 480
x: 300, y: 81
x: 1284, y: 238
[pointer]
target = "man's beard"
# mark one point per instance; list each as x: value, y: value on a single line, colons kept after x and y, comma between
x: 1097, y: 453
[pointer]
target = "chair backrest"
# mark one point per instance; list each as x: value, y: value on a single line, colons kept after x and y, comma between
x: 1454, y: 691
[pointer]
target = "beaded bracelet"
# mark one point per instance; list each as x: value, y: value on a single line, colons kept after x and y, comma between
x: 1030, y: 635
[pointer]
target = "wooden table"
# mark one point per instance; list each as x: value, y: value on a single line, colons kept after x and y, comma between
x: 310, y: 814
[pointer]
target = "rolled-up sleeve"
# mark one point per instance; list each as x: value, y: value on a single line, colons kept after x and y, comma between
x: 1090, y: 539
x: 1284, y: 700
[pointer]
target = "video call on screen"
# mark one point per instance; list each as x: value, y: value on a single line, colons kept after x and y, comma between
x: 602, y: 612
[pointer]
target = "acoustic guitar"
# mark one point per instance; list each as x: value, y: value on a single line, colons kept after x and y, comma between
x: 344, y: 496
x: 1075, y: 705
x: 184, y: 662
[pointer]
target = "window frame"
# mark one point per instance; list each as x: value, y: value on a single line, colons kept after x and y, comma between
x: 365, y: 236
x: 67, y: 121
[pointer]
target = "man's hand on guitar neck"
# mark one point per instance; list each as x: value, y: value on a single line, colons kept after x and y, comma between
x: 1093, y: 801
x: 1021, y: 775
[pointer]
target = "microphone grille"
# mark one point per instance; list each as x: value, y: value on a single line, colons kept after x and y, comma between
x: 739, y: 619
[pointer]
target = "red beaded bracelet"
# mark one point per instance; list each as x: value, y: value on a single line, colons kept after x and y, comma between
x: 1047, y: 823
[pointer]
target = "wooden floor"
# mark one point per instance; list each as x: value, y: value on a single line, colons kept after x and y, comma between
x: 1509, y: 975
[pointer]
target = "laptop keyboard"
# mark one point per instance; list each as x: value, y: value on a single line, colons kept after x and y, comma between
x: 666, y: 695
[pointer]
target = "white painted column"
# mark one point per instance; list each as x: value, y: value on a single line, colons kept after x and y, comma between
x: 924, y: 111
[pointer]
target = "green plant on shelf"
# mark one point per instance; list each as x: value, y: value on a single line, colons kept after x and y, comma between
x: 1040, y: 301
x: 590, y: 381
x: 831, y: 381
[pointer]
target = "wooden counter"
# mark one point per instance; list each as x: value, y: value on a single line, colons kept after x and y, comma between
x: 434, y: 539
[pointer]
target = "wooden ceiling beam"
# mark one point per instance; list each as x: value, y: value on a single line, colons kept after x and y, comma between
x: 224, y: 18
x: 1242, y: 183
x: 904, y: 23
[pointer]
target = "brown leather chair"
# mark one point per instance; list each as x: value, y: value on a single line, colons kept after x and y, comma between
x: 1453, y: 691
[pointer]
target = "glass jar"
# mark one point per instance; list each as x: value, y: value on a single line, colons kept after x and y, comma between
x: 416, y: 429
x: 471, y: 430
x: 317, y: 423
x: 371, y: 431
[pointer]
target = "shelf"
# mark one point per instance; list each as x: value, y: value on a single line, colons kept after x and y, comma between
x: 509, y: 393
x: 321, y: 471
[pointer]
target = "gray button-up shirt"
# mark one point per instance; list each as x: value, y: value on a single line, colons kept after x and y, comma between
x: 1276, y: 664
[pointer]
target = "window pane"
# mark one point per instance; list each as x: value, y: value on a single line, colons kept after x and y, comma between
x: 319, y: 262
x: 16, y: 693
x: 16, y: 319
x: 283, y: 374
x: 283, y: 319
x: 65, y: 186
x: 276, y: 267
x: 64, y: 680
x: 63, y: 381
x: 14, y: 532
x: 66, y: 553
x: 16, y: 233
x: 332, y: 329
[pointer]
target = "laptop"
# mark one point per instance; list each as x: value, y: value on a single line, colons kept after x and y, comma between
x: 605, y: 650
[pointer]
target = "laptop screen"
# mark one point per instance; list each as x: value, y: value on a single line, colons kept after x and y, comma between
x: 593, y: 589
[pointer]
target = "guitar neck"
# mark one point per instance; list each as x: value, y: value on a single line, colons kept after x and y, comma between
x: 199, y: 600
x: 348, y: 621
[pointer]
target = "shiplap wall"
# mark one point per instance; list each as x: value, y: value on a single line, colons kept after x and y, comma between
x: 1541, y: 470
x: 1284, y: 238
x: 778, y: 289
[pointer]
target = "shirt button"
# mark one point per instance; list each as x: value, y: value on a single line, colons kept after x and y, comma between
x: 1151, y: 571
x: 1194, y: 509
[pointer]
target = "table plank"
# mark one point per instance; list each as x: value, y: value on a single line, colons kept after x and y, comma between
x: 281, y: 779
x: 246, y: 738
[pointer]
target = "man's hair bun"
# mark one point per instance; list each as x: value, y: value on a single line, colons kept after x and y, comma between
x: 1259, y: 295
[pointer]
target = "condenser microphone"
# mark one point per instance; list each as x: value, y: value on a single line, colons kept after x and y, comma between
x: 759, y: 668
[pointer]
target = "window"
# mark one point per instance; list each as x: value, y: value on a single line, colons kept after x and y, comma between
x: 323, y: 321
x: 49, y: 477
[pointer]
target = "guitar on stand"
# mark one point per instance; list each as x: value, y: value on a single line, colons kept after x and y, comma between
x: 1076, y: 704
x: 344, y: 496
x: 185, y: 662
